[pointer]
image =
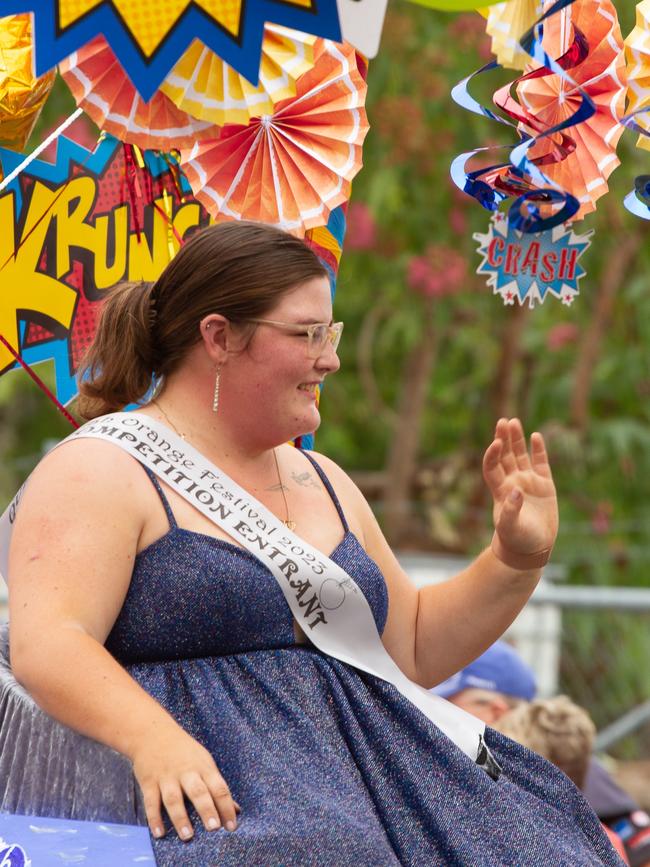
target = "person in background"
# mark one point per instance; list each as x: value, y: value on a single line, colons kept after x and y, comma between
x: 563, y: 733
x: 492, y: 685
x: 500, y: 680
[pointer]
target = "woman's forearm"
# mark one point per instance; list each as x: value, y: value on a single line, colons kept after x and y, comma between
x: 76, y: 680
x: 460, y: 618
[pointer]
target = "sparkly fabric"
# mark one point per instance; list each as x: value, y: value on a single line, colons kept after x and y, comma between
x: 330, y: 766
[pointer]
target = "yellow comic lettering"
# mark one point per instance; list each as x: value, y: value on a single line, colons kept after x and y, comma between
x: 147, y: 262
x: 70, y: 211
x: 23, y: 287
x: 187, y: 217
x: 108, y: 275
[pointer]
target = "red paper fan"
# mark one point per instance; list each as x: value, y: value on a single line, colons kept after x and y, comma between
x: 290, y: 168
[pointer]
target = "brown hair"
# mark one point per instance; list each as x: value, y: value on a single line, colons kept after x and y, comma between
x: 557, y: 729
x: 238, y: 269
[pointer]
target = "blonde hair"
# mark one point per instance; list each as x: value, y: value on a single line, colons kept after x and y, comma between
x: 557, y: 729
x: 238, y: 269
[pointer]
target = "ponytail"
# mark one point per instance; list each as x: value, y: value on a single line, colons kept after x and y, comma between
x: 117, y: 367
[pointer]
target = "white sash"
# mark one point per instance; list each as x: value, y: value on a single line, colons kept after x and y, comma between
x: 325, y: 601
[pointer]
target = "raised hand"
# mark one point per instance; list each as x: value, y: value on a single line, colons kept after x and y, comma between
x: 525, y: 503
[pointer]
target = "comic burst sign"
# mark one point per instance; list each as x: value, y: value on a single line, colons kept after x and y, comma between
x: 149, y: 36
x: 527, y: 267
x: 75, y: 228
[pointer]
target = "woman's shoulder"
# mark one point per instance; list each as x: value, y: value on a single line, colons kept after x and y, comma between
x: 336, y: 474
x: 79, y: 472
x: 352, y: 500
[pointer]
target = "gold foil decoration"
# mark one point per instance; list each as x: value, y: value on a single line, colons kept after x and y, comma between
x: 22, y: 96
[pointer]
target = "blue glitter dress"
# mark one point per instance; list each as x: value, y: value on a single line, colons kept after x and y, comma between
x: 331, y: 767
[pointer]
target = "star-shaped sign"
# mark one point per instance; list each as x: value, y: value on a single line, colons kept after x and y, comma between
x: 527, y: 268
x: 149, y: 36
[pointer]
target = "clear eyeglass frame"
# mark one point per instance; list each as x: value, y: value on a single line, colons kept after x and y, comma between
x: 318, y: 333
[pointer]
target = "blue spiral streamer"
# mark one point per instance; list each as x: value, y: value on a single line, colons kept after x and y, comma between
x: 524, y: 214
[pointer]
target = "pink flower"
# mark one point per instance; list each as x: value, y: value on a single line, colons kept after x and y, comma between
x: 561, y: 335
x: 361, y: 232
x: 421, y: 277
x: 441, y: 271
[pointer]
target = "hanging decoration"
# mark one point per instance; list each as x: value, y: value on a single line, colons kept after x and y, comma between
x: 22, y: 96
x: 149, y: 37
x: 552, y: 99
x: 540, y: 202
x: 291, y: 168
x: 528, y: 268
x: 506, y: 24
x: 103, y: 90
x: 202, y: 85
x: 72, y: 230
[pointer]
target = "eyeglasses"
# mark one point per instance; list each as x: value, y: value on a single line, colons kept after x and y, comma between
x: 318, y: 334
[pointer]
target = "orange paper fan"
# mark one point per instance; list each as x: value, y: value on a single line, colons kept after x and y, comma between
x: 551, y: 100
x: 101, y: 87
x: 292, y: 167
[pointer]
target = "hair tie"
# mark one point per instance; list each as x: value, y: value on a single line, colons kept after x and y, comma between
x: 153, y: 310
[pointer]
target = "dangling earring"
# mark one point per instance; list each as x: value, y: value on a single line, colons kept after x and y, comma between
x: 215, y: 399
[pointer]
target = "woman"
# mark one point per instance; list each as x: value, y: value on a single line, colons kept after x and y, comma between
x: 138, y: 622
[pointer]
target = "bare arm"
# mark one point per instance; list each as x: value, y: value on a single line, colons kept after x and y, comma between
x: 433, y: 632
x: 71, y: 560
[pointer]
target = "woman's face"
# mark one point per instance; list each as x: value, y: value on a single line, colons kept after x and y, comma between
x: 272, y: 384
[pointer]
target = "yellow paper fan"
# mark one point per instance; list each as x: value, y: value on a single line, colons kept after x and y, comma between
x: 202, y: 85
x: 506, y: 24
x: 637, y: 53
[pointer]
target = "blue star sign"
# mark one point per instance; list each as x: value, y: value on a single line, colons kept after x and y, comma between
x: 528, y: 268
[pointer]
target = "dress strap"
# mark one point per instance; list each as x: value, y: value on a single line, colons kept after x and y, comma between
x: 329, y: 488
x: 163, y: 498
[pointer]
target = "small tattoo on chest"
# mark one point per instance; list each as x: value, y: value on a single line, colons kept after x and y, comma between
x: 305, y: 480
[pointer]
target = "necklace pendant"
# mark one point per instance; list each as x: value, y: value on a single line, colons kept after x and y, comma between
x: 290, y: 525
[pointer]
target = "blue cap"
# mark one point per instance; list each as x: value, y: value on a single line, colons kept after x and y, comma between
x: 499, y: 669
